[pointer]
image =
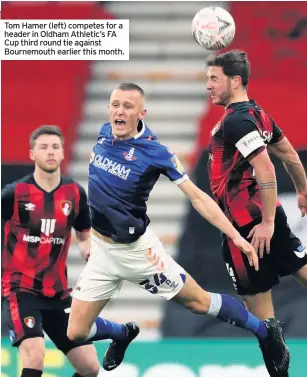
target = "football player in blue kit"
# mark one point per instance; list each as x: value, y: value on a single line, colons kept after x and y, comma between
x: 125, y: 164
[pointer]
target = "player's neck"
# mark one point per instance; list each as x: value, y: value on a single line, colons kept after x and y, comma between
x: 128, y: 136
x: 125, y: 137
x: 47, y: 181
x: 238, y: 98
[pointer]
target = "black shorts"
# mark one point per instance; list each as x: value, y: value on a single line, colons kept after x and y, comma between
x: 287, y: 256
x: 29, y: 315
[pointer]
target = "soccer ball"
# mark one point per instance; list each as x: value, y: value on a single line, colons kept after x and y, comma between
x: 213, y: 28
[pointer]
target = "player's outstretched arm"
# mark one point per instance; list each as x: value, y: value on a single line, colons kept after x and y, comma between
x: 207, y: 208
x: 293, y: 165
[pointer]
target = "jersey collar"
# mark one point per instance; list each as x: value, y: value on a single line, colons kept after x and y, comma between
x: 143, y: 127
x: 46, y: 192
x: 235, y: 104
x: 137, y: 136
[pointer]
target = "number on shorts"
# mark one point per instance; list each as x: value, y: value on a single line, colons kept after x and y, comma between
x: 232, y: 275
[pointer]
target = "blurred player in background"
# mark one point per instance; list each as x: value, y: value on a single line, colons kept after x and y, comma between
x: 243, y: 183
x: 40, y: 210
x: 124, y: 167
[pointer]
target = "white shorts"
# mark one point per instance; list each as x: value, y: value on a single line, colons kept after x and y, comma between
x: 144, y: 263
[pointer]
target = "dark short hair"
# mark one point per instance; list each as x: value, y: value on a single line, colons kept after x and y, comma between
x: 233, y: 63
x: 130, y: 86
x: 45, y: 130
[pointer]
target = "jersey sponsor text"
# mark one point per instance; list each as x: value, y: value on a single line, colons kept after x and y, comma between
x: 43, y: 240
x: 111, y: 166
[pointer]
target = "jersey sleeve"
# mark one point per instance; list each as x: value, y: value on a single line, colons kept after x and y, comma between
x: 7, y: 201
x: 82, y: 221
x: 170, y: 166
x: 244, y: 135
x: 277, y: 133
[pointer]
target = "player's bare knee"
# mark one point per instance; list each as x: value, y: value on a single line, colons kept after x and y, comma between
x: 84, y: 360
x: 200, y: 305
x: 32, y: 354
x: 77, y: 334
x: 90, y: 371
x: 193, y: 297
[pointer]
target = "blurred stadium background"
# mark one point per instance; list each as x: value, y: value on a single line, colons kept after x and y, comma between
x: 167, y: 63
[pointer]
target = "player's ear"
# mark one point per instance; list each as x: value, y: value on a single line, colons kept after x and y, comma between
x: 236, y: 82
x: 142, y: 114
x: 31, y: 154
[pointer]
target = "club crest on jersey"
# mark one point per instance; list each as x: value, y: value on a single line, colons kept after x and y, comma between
x: 66, y: 207
x: 216, y: 128
x: 130, y: 155
x: 29, y: 322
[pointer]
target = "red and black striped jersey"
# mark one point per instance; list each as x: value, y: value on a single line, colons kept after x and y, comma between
x: 37, y: 234
x: 244, y: 129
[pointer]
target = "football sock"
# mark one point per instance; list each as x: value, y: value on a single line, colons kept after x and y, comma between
x: 227, y: 309
x: 29, y: 372
x: 104, y: 329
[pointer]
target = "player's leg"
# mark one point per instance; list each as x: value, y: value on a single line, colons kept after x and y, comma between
x: 260, y: 304
x: 84, y: 360
x: 84, y: 323
x: 222, y: 306
x: 174, y: 283
x: 289, y: 253
x: 82, y: 318
x: 255, y: 289
x: 227, y: 309
x: 82, y: 356
x: 288, y: 256
x: 94, y: 288
x: 301, y: 276
x: 32, y: 352
x: 25, y: 330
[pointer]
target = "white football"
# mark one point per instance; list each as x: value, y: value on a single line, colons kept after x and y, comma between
x: 213, y: 28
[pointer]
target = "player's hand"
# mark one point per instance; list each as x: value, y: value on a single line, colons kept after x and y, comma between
x: 302, y: 202
x: 261, y: 235
x: 248, y: 250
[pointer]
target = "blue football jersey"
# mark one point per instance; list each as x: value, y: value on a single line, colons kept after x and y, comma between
x: 122, y: 174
